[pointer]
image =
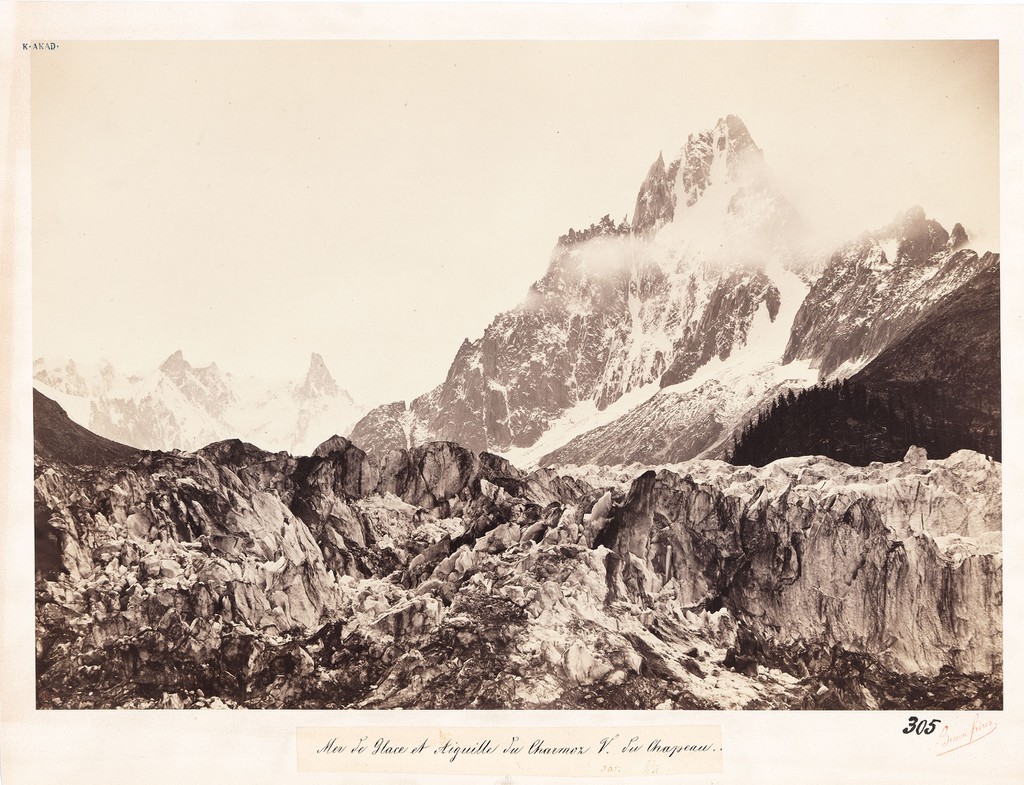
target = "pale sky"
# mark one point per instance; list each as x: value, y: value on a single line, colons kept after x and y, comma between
x: 252, y: 202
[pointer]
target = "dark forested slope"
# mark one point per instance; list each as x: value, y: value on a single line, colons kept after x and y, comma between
x: 937, y: 387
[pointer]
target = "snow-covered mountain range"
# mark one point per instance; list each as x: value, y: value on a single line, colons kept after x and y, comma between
x: 180, y: 406
x: 653, y: 340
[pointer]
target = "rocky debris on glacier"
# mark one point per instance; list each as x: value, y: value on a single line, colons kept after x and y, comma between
x: 443, y: 578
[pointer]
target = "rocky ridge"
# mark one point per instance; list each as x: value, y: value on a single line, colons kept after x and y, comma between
x: 938, y: 385
x: 874, y: 290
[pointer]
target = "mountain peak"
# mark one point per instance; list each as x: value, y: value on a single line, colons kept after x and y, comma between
x: 318, y: 379
x: 957, y: 237
x: 726, y: 152
x: 735, y: 141
x: 913, y: 215
x: 918, y: 235
x: 655, y: 203
x: 735, y: 129
x: 175, y: 362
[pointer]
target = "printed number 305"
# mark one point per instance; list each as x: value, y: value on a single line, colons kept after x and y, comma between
x: 920, y: 726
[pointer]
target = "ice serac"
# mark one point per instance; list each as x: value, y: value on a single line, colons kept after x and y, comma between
x: 443, y: 578
x: 902, y: 562
x: 623, y: 306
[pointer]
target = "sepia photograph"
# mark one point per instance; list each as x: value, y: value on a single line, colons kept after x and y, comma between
x: 511, y: 376
x: 735, y: 445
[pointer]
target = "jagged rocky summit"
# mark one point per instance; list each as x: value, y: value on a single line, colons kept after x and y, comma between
x: 621, y: 307
x: 443, y: 578
x: 656, y: 339
x: 181, y: 406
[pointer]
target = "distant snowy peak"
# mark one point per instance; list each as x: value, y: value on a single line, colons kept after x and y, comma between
x: 181, y: 406
x: 319, y: 382
x: 74, y: 378
x: 205, y: 386
x: 176, y: 363
x: 60, y: 375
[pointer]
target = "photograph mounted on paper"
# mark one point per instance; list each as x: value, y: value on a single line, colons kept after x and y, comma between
x: 517, y: 375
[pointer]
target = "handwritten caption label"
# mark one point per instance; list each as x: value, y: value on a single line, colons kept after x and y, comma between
x: 601, y: 751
